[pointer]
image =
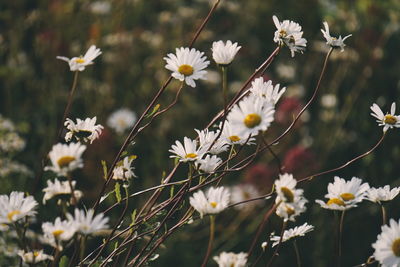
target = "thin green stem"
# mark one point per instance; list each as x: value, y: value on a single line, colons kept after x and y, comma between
x: 210, y: 241
x: 384, y: 216
x: 82, y: 248
x: 271, y: 261
x: 225, y: 88
x: 296, y: 250
x: 339, y: 253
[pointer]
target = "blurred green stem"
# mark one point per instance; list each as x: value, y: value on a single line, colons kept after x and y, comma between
x: 339, y: 253
x: 383, y: 214
x: 225, y: 88
x: 296, y: 250
x: 210, y: 241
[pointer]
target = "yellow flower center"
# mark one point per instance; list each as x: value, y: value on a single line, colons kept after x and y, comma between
x: 213, y: 204
x: 335, y: 201
x: 11, y: 214
x: 57, y: 233
x: 282, y: 33
x: 347, y: 196
x: 185, y: 69
x: 390, y: 119
x: 396, y: 247
x: 288, y: 194
x: 252, y: 120
x: 191, y: 155
x: 234, y: 138
x: 80, y: 60
x: 35, y: 254
x: 64, y: 161
x: 290, y: 211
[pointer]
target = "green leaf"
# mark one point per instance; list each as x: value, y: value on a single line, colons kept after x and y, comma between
x: 118, y: 192
x: 155, y: 109
x: 63, y: 261
x: 133, y: 218
x: 171, y: 191
x: 105, y: 172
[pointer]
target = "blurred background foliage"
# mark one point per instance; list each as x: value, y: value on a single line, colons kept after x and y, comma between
x: 135, y: 35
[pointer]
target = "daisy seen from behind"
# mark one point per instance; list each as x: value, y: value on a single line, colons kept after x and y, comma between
x: 387, y: 245
x: 292, y: 233
x: 382, y: 194
x: 83, y: 130
x: 215, y: 200
x: 86, y: 223
x: 266, y: 90
x: 187, y: 65
x: 333, y: 41
x: 209, y: 163
x: 230, y: 259
x: 224, y: 53
x: 389, y: 120
x: 66, y: 158
x: 16, y: 207
x: 80, y: 63
x: 289, y: 33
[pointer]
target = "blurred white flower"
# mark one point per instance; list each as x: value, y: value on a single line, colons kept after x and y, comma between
x: 58, y: 231
x: 34, y: 256
x: 66, y: 158
x: 230, y: 259
x: 124, y: 170
x: 16, y: 206
x: 223, y: 54
x: 244, y: 192
x: 83, y: 130
x: 214, y: 201
x: 382, y: 194
x: 292, y: 233
x: 59, y: 188
x: 121, y: 120
x: 188, y: 151
x: 251, y: 115
x: 266, y: 90
x: 389, y: 120
x: 387, y: 245
x: 333, y: 41
x: 290, y: 34
x: 207, y: 138
x: 86, y: 223
x: 209, y: 163
x: 80, y: 63
x: 343, y: 195
x: 187, y: 65
x: 100, y: 7
x: 328, y: 100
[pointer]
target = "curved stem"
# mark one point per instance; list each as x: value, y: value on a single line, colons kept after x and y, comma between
x: 210, y: 241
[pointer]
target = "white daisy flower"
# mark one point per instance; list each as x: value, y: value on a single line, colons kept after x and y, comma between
x: 86, y: 224
x: 251, y: 115
x: 382, y: 194
x: 230, y: 259
x: 292, y: 233
x: 66, y: 158
x: 266, y: 90
x: 286, y: 190
x: 223, y: 54
x: 209, y: 163
x: 245, y: 192
x: 233, y: 135
x: 289, y: 211
x: 214, y: 201
x: 187, y: 65
x: 388, y: 121
x: 188, y: 151
x: 333, y: 41
x: 121, y: 120
x: 15, y: 207
x: 58, y: 231
x: 343, y: 195
x: 124, y: 170
x: 59, y: 188
x: 387, y: 246
x: 79, y: 63
x: 83, y: 130
x: 207, y: 138
x: 34, y: 256
x: 290, y: 34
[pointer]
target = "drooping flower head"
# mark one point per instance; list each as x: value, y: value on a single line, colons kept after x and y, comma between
x: 389, y: 120
x: 124, y: 171
x: 251, y: 115
x: 382, y: 194
x: 208, y: 138
x: 286, y: 190
x: 209, y: 163
x: 187, y: 65
x: 230, y: 259
x: 333, y: 41
x: 343, y: 195
x: 83, y: 130
x: 223, y: 54
x: 267, y: 90
x: 58, y: 188
x: 215, y: 200
x: 121, y: 120
x: 292, y: 233
x: 80, y: 63
x: 387, y: 245
x: 188, y: 151
x: 16, y: 207
x: 66, y: 158
x: 289, y: 33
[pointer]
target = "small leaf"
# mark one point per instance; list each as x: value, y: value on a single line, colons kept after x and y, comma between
x: 133, y: 218
x: 118, y: 192
x: 171, y: 191
x: 63, y: 261
x: 155, y: 109
x: 105, y: 172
